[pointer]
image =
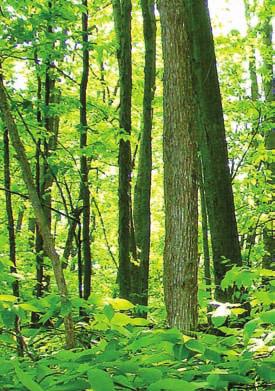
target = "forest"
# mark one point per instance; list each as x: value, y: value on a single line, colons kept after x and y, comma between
x: 136, y: 177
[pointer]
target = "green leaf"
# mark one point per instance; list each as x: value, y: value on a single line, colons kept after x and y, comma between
x: 212, y: 355
x: 150, y: 375
x: 108, y: 311
x: 100, y: 380
x: 26, y: 380
x: 218, y: 320
x: 29, y: 307
x: 139, y: 322
x: 237, y: 379
x: 249, y: 328
x: 120, y: 304
x: 121, y: 319
x: 216, y: 381
x: 268, y: 316
x: 181, y: 352
x: 8, y: 298
x: 266, y: 372
x: 195, y: 345
x: 172, y: 385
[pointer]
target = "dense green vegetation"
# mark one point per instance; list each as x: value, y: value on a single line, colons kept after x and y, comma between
x: 137, y: 233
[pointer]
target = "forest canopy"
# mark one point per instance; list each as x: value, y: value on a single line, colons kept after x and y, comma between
x: 136, y: 181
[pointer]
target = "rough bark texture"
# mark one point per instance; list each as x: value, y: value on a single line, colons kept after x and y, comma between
x: 84, y: 164
x: 41, y: 218
x: 213, y: 147
x: 180, y: 170
x: 142, y: 195
x: 204, y: 223
x: 122, y: 18
x: 12, y: 242
x: 268, y: 78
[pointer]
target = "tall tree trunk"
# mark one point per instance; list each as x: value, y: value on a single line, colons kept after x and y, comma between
x: 12, y: 243
x: 142, y: 194
x: 254, y: 88
x: 41, y: 218
x: 84, y: 164
x: 180, y: 170
x: 122, y: 18
x: 213, y: 147
x: 205, y: 242
x: 268, y: 84
x: 254, y: 94
x: 38, y: 238
x: 44, y: 176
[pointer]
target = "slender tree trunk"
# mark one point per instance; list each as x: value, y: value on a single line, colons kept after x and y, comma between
x: 41, y: 218
x: 142, y: 194
x: 122, y: 18
x: 268, y: 83
x: 254, y: 94
x: 84, y: 164
x: 12, y: 243
x: 213, y: 147
x: 249, y: 10
x: 180, y: 170
x: 205, y: 242
x: 20, y: 218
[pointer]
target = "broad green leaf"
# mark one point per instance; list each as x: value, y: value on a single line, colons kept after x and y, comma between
x: 8, y: 298
x: 26, y: 380
x: 266, y: 372
x: 29, y: 307
x: 195, y: 345
x: 139, y: 322
x: 100, y: 380
x: 150, y: 375
x: 108, y: 311
x: 268, y: 316
x: 218, y: 320
x: 172, y: 385
x: 216, y: 381
x: 212, y: 355
x: 120, y: 304
x: 249, y: 328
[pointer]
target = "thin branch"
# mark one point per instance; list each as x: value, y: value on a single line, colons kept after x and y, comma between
x: 104, y: 231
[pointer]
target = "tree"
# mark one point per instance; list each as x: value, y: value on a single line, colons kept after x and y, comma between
x: 268, y: 86
x: 122, y: 18
x: 213, y: 147
x: 41, y: 218
x: 142, y: 194
x: 12, y: 238
x: 180, y: 170
x: 84, y: 164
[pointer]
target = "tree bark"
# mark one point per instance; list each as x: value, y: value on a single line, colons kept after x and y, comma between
x: 122, y: 18
x: 142, y: 194
x: 213, y: 147
x: 180, y: 170
x: 205, y: 242
x: 84, y: 164
x: 41, y: 218
x: 268, y: 83
x: 12, y: 242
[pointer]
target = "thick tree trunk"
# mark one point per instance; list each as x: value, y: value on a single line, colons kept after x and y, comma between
x: 142, y: 194
x: 12, y: 243
x: 180, y: 170
x: 84, y: 164
x: 122, y: 18
x: 41, y: 218
x: 213, y: 147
